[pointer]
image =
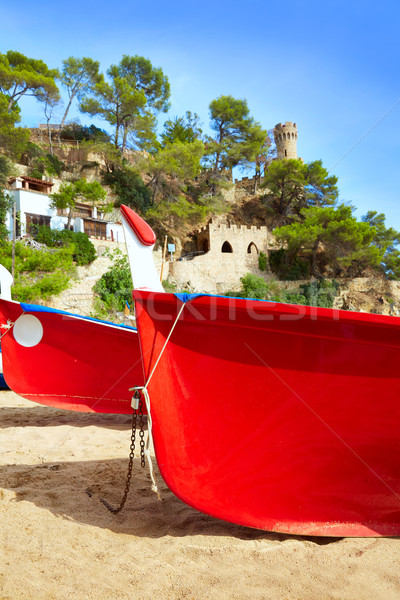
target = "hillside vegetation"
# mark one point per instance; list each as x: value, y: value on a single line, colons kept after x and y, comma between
x: 176, y: 178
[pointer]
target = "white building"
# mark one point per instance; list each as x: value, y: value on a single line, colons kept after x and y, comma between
x: 33, y: 205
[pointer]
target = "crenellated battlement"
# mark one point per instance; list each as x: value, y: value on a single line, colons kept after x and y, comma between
x: 229, y: 227
x: 233, y: 228
x: 284, y: 127
x: 249, y: 182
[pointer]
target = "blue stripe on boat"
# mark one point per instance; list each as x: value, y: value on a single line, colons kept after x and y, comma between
x: 37, y: 308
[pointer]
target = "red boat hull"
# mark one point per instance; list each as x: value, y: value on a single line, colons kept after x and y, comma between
x: 79, y: 364
x: 274, y: 416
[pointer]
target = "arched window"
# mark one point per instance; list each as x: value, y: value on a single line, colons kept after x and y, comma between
x: 285, y: 152
x: 252, y: 248
x: 226, y: 247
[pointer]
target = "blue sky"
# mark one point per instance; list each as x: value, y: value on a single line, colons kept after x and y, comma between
x: 332, y: 67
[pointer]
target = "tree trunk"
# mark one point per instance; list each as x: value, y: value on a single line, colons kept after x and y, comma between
x: 50, y: 140
x: 216, y: 163
x: 155, y: 188
x: 256, y: 178
x: 116, y: 135
x: 66, y: 112
x: 313, y: 262
x: 124, y: 140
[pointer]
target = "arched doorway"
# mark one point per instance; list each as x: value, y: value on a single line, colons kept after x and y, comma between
x: 205, y: 246
x: 226, y: 247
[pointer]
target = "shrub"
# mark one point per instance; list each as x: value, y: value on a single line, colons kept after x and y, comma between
x: 316, y: 293
x: 75, y: 131
x: 169, y: 287
x: 83, y: 251
x: 320, y: 293
x: 262, y: 261
x: 128, y: 187
x: 286, y: 267
x: 253, y: 286
x: 114, y: 288
x: 41, y: 162
x: 39, y: 274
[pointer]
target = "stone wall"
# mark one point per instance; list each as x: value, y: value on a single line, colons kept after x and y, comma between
x: 239, y: 237
x: 249, y: 183
x: 212, y: 274
x: 217, y: 271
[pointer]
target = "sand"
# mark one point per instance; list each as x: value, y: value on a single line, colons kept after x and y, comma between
x: 57, y: 540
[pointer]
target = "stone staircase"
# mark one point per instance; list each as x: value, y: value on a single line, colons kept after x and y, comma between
x: 78, y: 298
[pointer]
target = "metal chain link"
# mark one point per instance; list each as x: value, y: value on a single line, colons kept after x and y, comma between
x: 141, y: 434
x: 116, y: 510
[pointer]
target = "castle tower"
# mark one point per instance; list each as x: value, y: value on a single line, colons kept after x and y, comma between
x: 285, y: 135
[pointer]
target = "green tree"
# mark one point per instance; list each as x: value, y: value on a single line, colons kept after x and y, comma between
x: 135, y: 92
x: 5, y: 203
x: 40, y: 162
x: 176, y: 213
x: 20, y: 76
x: 140, y: 133
x: 181, y: 129
x: 78, y: 76
x: 384, y: 238
x: 49, y: 107
x: 13, y: 140
x: 291, y: 185
x: 84, y: 133
x: 321, y: 188
x: 80, y: 190
x: 238, y: 137
x: 179, y: 160
x: 331, y: 236
x: 387, y: 241
x: 5, y: 170
x: 261, y: 160
x: 128, y: 186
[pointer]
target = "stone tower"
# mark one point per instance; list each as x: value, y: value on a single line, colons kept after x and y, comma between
x: 285, y: 135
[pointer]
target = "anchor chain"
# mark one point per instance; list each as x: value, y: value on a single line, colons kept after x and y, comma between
x: 141, y: 434
x: 136, y: 413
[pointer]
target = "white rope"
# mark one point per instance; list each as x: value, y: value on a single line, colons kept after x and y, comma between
x: 8, y: 327
x: 165, y: 345
x: 143, y: 389
x: 149, y: 440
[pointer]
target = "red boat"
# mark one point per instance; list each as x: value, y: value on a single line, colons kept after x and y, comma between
x: 67, y: 361
x: 275, y: 416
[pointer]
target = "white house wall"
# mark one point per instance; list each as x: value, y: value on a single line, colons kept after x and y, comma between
x: 34, y: 203
x: 28, y: 201
x: 115, y: 232
x: 58, y: 222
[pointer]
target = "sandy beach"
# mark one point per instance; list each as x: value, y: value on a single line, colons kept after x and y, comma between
x: 57, y: 541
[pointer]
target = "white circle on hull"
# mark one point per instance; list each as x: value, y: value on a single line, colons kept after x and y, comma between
x: 28, y: 331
